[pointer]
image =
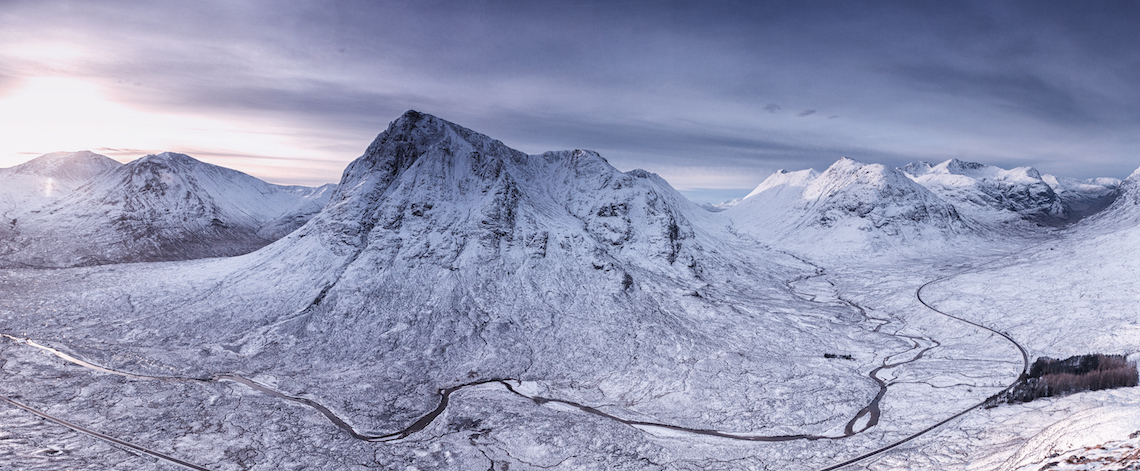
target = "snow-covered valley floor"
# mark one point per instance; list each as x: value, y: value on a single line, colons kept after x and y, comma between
x: 228, y: 426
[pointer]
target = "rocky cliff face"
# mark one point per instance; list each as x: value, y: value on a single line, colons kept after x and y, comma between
x: 995, y: 195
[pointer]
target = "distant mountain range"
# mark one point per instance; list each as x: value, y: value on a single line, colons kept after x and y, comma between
x: 850, y: 202
x: 994, y: 194
x: 880, y: 206
x: 74, y: 209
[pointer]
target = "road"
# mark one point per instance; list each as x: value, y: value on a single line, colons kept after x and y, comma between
x: 1020, y: 348
x: 108, y: 438
x: 871, y: 411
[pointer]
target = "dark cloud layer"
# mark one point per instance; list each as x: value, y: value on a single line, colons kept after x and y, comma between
x: 671, y: 86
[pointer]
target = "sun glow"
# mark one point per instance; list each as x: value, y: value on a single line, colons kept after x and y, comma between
x: 49, y: 114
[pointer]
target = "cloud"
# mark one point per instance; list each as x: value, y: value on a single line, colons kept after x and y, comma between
x: 676, y: 84
x: 1019, y: 91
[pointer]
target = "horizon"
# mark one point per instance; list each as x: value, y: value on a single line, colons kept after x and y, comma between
x: 696, y: 195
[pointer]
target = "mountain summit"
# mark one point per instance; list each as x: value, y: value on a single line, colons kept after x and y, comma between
x: 850, y: 202
x: 167, y: 206
x: 445, y: 257
x: 47, y: 178
x: 482, y: 199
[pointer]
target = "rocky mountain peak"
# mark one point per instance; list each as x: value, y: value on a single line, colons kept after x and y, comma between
x: 990, y: 193
x: 961, y: 167
x: 416, y: 135
x: 434, y: 192
x: 849, y: 202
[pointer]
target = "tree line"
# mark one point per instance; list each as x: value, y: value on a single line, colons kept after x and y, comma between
x: 1049, y: 377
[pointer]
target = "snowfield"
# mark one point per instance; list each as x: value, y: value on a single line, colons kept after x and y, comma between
x: 580, y: 318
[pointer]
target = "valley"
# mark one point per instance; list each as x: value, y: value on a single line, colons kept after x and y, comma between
x: 457, y: 304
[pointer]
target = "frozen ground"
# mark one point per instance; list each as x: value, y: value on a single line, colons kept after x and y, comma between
x: 447, y: 259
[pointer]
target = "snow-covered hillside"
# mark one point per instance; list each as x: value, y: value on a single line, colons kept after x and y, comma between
x: 998, y: 196
x: 510, y: 244
x: 1124, y: 212
x: 446, y: 258
x: 160, y: 207
x: 469, y: 306
x: 851, y: 203
x: 47, y: 178
x: 1067, y: 295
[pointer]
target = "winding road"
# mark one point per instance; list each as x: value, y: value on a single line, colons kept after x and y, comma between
x: 1020, y: 348
x: 871, y: 412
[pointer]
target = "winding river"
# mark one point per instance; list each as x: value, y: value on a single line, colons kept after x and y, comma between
x: 870, y: 413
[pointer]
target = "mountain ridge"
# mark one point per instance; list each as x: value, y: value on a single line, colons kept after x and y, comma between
x: 850, y: 202
x: 46, y: 178
x: 164, y: 206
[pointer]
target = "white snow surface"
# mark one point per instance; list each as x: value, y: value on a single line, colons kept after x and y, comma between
x: 160, y: 207
x: 47, y: 178
x: 995, y: 195
x: 445, y: 258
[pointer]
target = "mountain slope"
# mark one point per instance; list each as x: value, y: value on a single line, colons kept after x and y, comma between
x: 1084, y: 197
x: 160, y: 207
x: 1122, y: 214
x: 445, y: 257
x: 850, y: 203
x: 995, y: 195
x: 46, y: 178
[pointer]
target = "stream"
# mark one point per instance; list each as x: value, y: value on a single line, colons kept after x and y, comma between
x: 871, y: 412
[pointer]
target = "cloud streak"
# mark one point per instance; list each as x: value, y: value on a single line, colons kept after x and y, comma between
x: 678, y: 86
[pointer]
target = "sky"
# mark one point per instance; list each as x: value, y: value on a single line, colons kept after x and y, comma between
x: 713, y: 96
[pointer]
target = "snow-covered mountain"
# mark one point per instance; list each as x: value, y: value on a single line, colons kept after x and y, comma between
x: 445, y: 257
x: 630, y: 328
x: 852, y: 202
x: 1129, y: 196
x: 995, y: 195
x: 47, y: 178
x: 160, y: 207
x: 1084, y: 197
x: 1123, y: 212
x: 493, y: 263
